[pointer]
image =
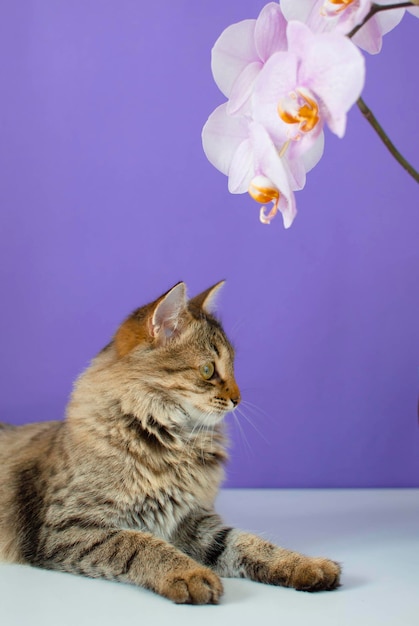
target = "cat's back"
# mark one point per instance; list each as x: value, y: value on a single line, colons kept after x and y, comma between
x: 21, y: 447
x: 19, y: 442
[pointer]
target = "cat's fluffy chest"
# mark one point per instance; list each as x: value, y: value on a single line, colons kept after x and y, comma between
x: 160, y: 508
x: 159, y: 514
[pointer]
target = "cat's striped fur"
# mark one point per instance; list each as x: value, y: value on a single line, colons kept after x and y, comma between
x: 124, y: 488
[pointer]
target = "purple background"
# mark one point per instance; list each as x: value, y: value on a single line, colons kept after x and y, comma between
x: 107, y: 200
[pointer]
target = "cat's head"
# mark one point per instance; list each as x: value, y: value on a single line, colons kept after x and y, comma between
x: 180, y: 354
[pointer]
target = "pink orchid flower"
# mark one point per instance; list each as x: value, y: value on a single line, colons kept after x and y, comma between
x: 242, y: 49
x: 227, y: 145
x: 315, y: 82
x: 243, y: 150
x: 342, y: 16
x: 270, y: 181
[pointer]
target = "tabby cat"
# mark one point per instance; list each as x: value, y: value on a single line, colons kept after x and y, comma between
x: 123, y: 489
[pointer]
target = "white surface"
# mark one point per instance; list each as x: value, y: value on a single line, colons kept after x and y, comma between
x: 373, y: 533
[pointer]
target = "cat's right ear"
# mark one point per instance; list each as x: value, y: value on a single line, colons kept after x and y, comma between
x: 206, y: 301
x: 167, y: 317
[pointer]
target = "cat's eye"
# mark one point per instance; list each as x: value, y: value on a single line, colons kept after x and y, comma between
x: 207, y: 370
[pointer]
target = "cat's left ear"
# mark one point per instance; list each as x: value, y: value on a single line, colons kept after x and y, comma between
x: 207, y: 300
x: 167, y: 317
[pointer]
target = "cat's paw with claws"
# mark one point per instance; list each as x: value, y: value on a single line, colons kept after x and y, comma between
x: 195, y: 586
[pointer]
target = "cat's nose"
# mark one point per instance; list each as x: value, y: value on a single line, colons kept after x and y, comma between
x: 236, y: 400
x: 234, y: 392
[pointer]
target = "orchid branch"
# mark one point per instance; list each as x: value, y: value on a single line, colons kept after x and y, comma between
x: 369, y: 115
x: 365, y: 110
x: 377, y: 8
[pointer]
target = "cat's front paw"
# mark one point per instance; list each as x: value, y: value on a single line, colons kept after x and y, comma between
x: 195, y: 586
x: 314, y: 574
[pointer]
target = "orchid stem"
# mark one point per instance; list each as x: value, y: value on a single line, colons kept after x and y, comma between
x: 365, y: 110
x: 370, y: 117
x: 377, y: 8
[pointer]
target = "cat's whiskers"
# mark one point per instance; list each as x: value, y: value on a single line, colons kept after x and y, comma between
x: 212, y: 437
x: 256, y: 409
x: 249, y: 421
x: 247, y: 447
x: 204, y: 426
x: 202, y: 433
x: 200, y: 439
x: 194, y: 435
x: 191, y: 437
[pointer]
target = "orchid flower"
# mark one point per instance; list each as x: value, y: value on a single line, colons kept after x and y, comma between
x: 295, y: 93
x: 270, y: 180
x: 315, y: 82
x: 241, y: 51
x: 285, y: 82
x: 342, y: 16
x: 243, y: 151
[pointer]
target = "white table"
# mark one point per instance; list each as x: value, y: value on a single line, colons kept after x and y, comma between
x: 373, y: 533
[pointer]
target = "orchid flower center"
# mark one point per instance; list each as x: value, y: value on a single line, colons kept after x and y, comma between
x: 263, y: 190
x: 299, y: 107
x: 335, y: 7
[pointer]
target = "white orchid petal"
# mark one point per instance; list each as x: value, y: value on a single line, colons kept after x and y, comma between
x: 297, y: 9
x: 241, y: 170
x: 369, y: 37
x: 300, y: 38
x: 270, y: 31
x: 312, y: 156
x: 242, y: 89
x: 388, y: 20
x: 221, y: 136
x: 288, y: 210
x: 301, y: 156
x: 337, y: 124
x: 232, y: 51
x: 296, y: 172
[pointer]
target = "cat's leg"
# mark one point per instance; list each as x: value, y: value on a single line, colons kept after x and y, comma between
x: 251, y: 556
x: 233, y: 553
x: 128, y: 556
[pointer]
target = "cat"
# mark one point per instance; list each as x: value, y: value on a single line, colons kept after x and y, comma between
x: 124, y: 487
